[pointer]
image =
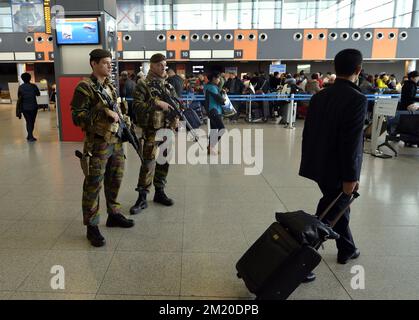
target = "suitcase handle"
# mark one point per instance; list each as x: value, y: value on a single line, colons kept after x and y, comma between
x: 321, y: 217
x: 354, y: 196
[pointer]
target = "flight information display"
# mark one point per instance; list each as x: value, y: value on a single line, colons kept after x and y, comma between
x: 77, y: 31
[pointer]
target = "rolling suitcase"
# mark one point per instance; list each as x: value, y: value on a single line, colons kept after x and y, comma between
x: 192, y: 118
x: 196, y: 106
x: 279, y: 261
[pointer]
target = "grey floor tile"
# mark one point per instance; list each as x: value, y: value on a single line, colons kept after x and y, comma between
x: 83, y: 272
x: 4, y: 190
x: 384, y: 215
x: 213, y: 238
x: 50, y: 296
x: 225, y: 181
x: 13, y: 208
x: 15, y: 266
x: 286, y: 179
x: 156, y: 213
x: 5, y: 225
x: 154, y: 237
x: 299, y: 195
x: 211, y: 275
x: 383, y: 241
x: 389, y: 195
x: 53, y: 211
x: 307, y: 207
x: 74, y: 238
x: 33, y: 235
x: 387, y: 241
x: 143, y: 273
x: 232, y: 212
x: 206, y: 195
x: 386, y: 278
x: 325, y: 287
x: 5, y: 295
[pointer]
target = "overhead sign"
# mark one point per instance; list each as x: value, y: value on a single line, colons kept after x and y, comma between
x: 281, y: 68
x: 231, y: 70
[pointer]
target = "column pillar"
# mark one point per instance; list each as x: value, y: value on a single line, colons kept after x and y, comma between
x: 21, y: 68
x: 410, y: 66
x: 71, y: 62
x: 146, y: 67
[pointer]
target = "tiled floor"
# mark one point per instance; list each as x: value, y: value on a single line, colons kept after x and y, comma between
x: 189, y: 251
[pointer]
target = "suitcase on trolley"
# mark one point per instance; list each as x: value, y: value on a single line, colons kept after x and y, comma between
x: 197, y: 107
x: 192, y: 118
x: 281, y: 259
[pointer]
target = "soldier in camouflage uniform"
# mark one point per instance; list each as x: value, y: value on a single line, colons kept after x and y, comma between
x: 152, y: 114
x: 103, y: 155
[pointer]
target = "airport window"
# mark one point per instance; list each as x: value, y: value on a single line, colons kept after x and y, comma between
x: 383, y: 13
x: 299, y: 14
x: 5, y: 18
x: 198, y: 15
x: 262, y: 14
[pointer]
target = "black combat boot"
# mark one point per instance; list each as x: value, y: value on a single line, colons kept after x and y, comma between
x: 118, y: 220
x: 161, y: 197
x: 94, y: 236
x: 141, y: 203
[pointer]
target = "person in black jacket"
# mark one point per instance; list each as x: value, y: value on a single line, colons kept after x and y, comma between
x: 409, y: 100
x: 27, y: 94
x: 176, y: 81
x: 332, y: 147
x: 234, y: 86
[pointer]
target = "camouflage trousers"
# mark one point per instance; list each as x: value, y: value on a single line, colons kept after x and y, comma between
x: 106, y: 164
x: 151, y: 172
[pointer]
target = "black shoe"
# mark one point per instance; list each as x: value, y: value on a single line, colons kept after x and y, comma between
x: 345, y: 259
x: 161, y: 197
x: 310, y: 278
x: 141, y: 203
x: 118, y: 220
x: 94, y: 236
x: 32, y: 139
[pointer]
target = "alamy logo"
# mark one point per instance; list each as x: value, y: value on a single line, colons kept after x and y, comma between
x: 58, y: 280
x: 358, y: 281
x: 174, y: 149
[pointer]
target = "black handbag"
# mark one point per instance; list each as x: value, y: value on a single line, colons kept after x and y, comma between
x: 19, y: 108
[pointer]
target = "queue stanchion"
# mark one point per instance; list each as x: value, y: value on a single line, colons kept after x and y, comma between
x: 290, y: 111
x: 250, y: 109
x: 294, y: 113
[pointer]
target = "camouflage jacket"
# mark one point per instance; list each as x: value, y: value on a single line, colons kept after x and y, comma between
x: 90, y: 110
x: 146, y: 95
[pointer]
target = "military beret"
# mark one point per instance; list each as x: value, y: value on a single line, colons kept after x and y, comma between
x: 100, y: 53
x: 156, y: 58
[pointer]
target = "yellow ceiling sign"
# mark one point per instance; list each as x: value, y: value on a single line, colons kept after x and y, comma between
x: 47, y: 15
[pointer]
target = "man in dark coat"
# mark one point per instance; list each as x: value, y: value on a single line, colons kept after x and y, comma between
x: 332, y: 146
x: 176, y: 81
x: 409, y: 101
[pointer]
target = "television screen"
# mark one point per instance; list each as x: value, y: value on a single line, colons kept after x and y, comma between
x: 77, y: 31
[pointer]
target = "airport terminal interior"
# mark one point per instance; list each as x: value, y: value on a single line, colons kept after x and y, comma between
x: 189, y: 251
